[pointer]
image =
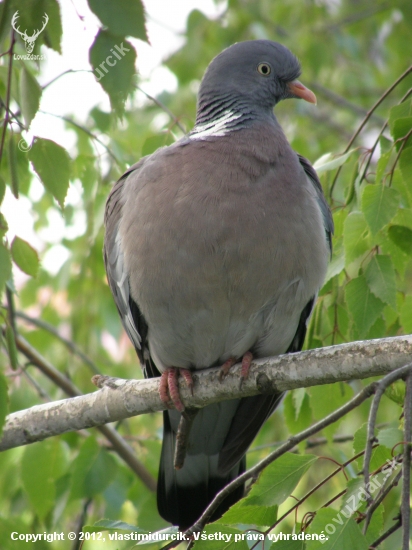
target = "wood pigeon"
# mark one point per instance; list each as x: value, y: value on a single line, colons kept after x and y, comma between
x: 215, y: 250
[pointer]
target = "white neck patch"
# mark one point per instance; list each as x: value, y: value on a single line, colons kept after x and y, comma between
x: 216, y: 128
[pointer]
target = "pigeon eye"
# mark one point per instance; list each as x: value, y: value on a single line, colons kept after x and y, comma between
x: 264, y: 68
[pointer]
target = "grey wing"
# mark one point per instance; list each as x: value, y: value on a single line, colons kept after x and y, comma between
x: 323, y: 205
x: 118, y: 278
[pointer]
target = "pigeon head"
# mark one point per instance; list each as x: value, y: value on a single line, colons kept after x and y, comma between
x: 250, y: 77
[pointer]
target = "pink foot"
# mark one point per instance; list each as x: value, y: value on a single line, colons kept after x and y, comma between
x: 225, y: 368
x: 246, y: 362
x: 169, y: 387
x: 244, y: 373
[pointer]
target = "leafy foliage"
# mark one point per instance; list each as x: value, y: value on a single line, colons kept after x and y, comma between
x: 351, y: 53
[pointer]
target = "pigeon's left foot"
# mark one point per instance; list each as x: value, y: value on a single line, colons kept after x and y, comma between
x: 244, y: 373
x: 169, y: 387
x: 225, y: 368
x: 246, y: 362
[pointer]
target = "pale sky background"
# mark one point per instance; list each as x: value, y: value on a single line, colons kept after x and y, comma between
x: 75, y: 94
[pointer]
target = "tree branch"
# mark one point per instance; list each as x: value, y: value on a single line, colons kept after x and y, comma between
x: 122, y: 448
x: 120, y: 399
x: 72, y: 346
x: 367, y: 117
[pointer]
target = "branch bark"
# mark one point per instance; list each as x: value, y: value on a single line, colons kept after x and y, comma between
x: 120, y: 399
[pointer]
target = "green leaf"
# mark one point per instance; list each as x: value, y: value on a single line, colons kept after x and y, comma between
x: 5, y: 267
x: 376, y: 525
x: 282, y: 544
x: 330, y: 162
x: 153, y: 143
x: 379, y: 205
x: 42, y: 464
x: 403, y: 217
x: 389, y: 437
x: 297, y: 421
x: 379, y: 455
x: 364, y: 307
x: 406, y: 315
x: 342, y: 533
x: 121, y: 17
x: 4, y: 401
x: 278, y: 480
x: 53, y: 31
x: 117, y: 525
x: 215, y: 535
x: 402, y: 237
x: 336, y: 265
x: 113, y: 61
x: 401, y: 127
x: 102, y: 119
x: 4, y: 227
x: 25, y: 256
x: 250, y: 515
x: 30, y: 94
x: 298, y: 397
x: 399, y: 258
x: 396, y: 392
x: 405, y: 163
x: 385, y: 144
x: 381, y: 167
x: 52, y: 164
x: 380, y: 276
x: 355, y: 236
x: 327, y: 398
x: 93, y: 470
x: 399, y: 111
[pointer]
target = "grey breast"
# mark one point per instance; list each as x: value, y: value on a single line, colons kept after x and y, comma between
x: 224, y: 245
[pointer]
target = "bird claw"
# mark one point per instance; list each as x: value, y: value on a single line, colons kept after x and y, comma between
x: 244, y: 373
x: 225, y: 368
x: 246, y: 362
x: 169, y: 387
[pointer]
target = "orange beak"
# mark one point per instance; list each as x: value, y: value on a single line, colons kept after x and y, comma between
x: 299, y: 90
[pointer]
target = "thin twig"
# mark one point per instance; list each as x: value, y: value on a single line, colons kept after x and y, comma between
x: 315, y: 488
x: 339, y: 100
x: 401, y: 148
x: 385, y: 535
x: 310, y: 444
x: 86, y: 131
x: 164, y: 108
x: 80, y: 522
x: 14, y: 115
x: 41, y: 391
x: 294, y: 440
x: 366, y: 118
x: 120, y: 445
x: 384, y: 491
x: 74, y: 348
x: 352, y: 18
x: 372, y: 149
x: 8, y: 93
x: 53, y: 80
x: 382, y: 385
x: 406, y: 466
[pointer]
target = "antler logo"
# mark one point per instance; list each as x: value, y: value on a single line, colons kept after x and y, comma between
x: 28, y: 40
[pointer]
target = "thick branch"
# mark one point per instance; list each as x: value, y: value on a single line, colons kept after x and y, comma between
x: 120, y: 399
